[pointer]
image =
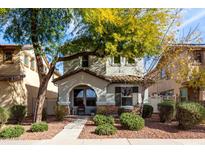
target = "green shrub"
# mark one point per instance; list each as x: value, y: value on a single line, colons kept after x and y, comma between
x: 60, y: 112
x: 18, y: 113
x: 166, y: 111
x: 189, y: 114
x: 12, y: 132
x: 102, y: 119
x: 102, y: 110
x: 147, y: 111
x: 39, y: 127
x: 131, y: 121
x: 105, y: 129
x: 4, y: 115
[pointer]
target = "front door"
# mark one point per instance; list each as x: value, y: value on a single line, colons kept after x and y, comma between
x: 84, y: 97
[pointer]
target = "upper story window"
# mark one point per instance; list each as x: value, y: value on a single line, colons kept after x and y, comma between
x: 163, y: 74
x: 26, y: 60
x: 117, y: 60
x: 8, y: 56
x: 85, y: 61
x: 130, y: 60
x: 198, y: 56
x: 32, y: 64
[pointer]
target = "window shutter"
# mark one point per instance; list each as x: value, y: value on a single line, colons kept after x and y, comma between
x: 135, y: 89
x: 117, y: 96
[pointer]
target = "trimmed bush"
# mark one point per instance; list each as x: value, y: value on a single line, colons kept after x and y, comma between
x: 102, y: 119
x: 132, y: 121
x: 12, y: 132
x: 39, y: 127
x: 166, y: 111
x: 18, y: 113
x: 147, y: 111
x: 4, y: 115
x: 60, y: 112
x: 105, y: 129
x: 190, y: 114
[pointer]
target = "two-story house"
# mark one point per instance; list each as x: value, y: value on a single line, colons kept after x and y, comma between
x: 19, y: 79
x: 89, y: 82
x: 166, y: 87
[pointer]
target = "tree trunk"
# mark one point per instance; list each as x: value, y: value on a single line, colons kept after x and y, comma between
x: 142, y: 97
x: 40, y: 101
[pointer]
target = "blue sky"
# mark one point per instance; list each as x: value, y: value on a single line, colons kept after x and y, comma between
x: 190, y: 18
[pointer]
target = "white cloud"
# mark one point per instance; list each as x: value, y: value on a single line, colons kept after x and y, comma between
x: 192, y: 19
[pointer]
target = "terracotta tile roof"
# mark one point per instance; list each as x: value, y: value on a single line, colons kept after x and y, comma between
x: 80, y: 70
x: 11, y: 77
x: 125, y: 78
x: 111, y: 79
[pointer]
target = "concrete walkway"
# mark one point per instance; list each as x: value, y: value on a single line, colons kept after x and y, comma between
x: 69, y: 136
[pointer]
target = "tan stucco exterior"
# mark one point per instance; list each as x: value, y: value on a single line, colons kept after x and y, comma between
x: 23, y: 91
x: 166, y: 84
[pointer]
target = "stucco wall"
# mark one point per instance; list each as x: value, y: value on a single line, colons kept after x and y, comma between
x: 66, y: 85
x: 12, y: 93
x: 124, y: 68
x: 13, y: 68
x: 165, y: 85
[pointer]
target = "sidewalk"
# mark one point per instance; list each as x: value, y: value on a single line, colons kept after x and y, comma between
x: 69, y: 136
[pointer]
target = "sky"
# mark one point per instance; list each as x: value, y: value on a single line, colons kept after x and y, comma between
x: 190, y: 18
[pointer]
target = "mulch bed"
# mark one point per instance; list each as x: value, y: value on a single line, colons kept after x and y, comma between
x: 153, y: 129
x: 54, y: 127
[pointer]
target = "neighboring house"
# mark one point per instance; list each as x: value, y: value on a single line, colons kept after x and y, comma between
x: 167, y: 88
x: 19, y: 79
x: 90, y: 82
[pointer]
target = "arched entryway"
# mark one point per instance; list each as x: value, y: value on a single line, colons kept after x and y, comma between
x: 84, y: 100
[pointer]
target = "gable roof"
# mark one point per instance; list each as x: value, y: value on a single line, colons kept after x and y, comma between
x: 68, y: 74
x: 111, y: 79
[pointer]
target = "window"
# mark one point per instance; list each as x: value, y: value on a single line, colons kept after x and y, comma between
x: 123, y: 95
x: 117, y: 60
x: 90, y: 97
x: 32, y: 64
x: 162, y: 74
x: 130, y: 60
x: 85, y: 62
x: 198, y: 57
x: 183, y: 94
x: 8, y: 56
x: 78, y: 97
x: 26, y: 61
x: 126, y: 94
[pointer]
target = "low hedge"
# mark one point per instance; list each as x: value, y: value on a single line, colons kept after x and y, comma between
x: 189, y: 114
x: 4, y: 115
x: 147, y: 111
x: 12, y: 132
x: 18, y: 113
x: 39, y: 127
x: 60, y: 112
x: 102, y: 119
x: 105, y: 129
x: 166, y: 111
x: 132, y: 121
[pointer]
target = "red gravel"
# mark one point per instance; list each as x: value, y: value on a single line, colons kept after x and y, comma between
x: 153, y: 129
x: 54, y: 127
